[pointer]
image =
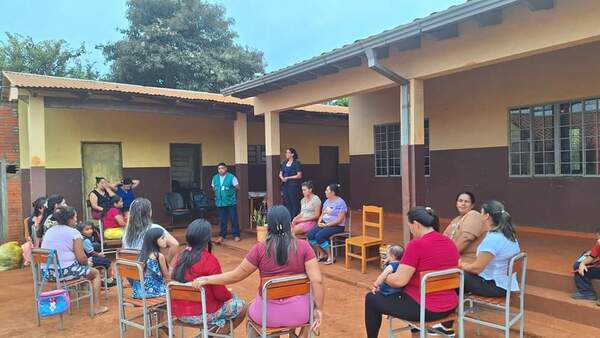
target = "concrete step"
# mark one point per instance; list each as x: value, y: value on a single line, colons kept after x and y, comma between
x: 556, y: 281
x: 559, y: 304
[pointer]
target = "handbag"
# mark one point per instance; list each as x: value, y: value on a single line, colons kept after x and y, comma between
x: 53, y: 302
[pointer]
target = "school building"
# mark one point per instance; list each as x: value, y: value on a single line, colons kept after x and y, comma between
x: 497, y: 97
x: 58, y: 134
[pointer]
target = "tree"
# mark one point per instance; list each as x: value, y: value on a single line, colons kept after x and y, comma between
x: 185, y: 44
x: 344, y: 102
x: 50, y: 57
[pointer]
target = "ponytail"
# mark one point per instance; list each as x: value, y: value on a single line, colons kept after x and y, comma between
x: 198, y: 239
x: 501, y: 219
x: 426, y: 216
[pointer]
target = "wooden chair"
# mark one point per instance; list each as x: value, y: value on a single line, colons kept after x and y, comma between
x: 128, y: 254
x: 364, y: 241
x: 185, y: 291
x: 517, y: 265
x: 436, y: 281
x: 38, y: 264
x: 151, y: 307
x: 277, y: 288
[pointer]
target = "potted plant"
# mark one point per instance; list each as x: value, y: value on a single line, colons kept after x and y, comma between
x: 259, y: 218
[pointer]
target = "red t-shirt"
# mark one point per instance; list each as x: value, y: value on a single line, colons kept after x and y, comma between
x: 433, y: 251
x: 269, y: 267
x: 595, y: 252
x: 109, y: 220
x: 216, y: 295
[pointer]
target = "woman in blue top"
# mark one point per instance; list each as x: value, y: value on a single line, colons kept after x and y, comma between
x: 290, y: 176
x: 332, y: 221
x: 488, y: 276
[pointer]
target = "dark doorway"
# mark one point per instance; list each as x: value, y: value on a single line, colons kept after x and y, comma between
x: 328, y: 169
x: 186, y: 168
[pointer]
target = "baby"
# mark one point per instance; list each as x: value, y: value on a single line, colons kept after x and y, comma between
x: 394, y: 254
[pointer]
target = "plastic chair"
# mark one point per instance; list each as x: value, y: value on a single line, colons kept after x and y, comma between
x: 364, y: 241
x: 151, y: 307
x: 339, y: 240
x: 277, y: 288
x: 175, y: 206
x: 38, y: 264
x: 518, y: 265
x: 185, y: 291
x: 436, y: 281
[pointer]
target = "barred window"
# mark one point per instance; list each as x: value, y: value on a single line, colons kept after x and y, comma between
x: 256, y: 154
x: 387, y: 150
x: 565, y: 138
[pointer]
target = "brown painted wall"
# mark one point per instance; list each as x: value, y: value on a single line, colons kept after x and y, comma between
x: 67, y: 182
x: 368, y: 189
x: 155, y: 184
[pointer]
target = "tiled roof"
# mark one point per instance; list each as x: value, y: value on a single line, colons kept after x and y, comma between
x: 35, y: 81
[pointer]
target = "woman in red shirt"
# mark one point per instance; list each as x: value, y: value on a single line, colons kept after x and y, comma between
x: 429, y: 250
x: 114, y: 221
x: 195, y: 261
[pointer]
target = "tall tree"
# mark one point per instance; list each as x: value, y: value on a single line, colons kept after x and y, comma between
x: 50, y: 57
x: 186, y: 44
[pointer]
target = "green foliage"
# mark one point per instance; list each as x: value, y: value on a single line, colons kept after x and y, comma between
x: 344, y: 102
x: 50, y: 57
x: 186, y: 44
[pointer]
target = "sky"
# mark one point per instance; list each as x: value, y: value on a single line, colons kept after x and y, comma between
x: 287, y: 31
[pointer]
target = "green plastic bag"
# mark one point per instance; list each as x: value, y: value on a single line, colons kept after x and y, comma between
x: 11, y: 256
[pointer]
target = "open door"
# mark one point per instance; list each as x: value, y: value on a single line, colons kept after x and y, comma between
x: 99, y: 159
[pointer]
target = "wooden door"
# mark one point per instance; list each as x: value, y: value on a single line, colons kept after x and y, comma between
x: 100, y: 160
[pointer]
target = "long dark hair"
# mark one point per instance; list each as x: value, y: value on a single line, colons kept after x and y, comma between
x: 279, y: 238
x: 468, y: 193
x: 294, y: 153
x: 63, y: 214
x: 140, y: 218
x: 38, y: 204
x: 51, y: 203
x: 501, y: 219
x: 197, y: 237
x: 426, y: 216
x: 150, y: 245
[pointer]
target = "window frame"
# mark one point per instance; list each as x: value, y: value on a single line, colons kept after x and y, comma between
x: 259, y: 150
x: 556, y: 135
x: 387, y: 165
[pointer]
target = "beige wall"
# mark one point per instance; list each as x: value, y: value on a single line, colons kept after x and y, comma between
x: 469, y: 109
x: 306, y: 139
x: 523, y: 32
x: 145, y: 137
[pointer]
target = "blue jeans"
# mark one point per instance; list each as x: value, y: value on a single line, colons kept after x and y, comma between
x: 584, y: 283
x: 226, y: 214
x: 321, y: 236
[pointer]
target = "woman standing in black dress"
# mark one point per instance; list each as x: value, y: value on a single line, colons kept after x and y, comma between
x: 290, y: 175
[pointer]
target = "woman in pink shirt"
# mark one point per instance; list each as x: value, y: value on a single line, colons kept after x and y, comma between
x: 114, y: 221
x: 282, y: 254
x: 429, y: 250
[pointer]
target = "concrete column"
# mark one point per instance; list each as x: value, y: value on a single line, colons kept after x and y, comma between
x: 273, y: 149
x: 240, y: 140
x: 412, y: 142
x: 36, y: 135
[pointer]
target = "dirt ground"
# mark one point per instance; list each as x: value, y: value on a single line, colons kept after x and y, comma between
x: 343, y: 308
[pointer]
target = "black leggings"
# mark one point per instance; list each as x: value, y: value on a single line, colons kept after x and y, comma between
x: 399, y: 305
x: 481, y: 287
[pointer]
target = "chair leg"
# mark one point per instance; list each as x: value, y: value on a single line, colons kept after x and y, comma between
x: 390, y: 330
x: 522, y: 324
x: 363, y: 260
x: 62, y: 322
x: 105, y: 283
x: 347, y: 256
x: 91, y: 290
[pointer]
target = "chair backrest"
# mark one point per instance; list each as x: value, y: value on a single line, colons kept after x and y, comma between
x: 26, y: 226
x: 39, y: 259
x: 277, y: 287
x: 371, y: 210
x: 180, y: 291
x: 174, y: 200
x: 198, y: 198
x: 443, y: 282
x: 518, y: 265
x: 130, y: 269
x: 128, y: 254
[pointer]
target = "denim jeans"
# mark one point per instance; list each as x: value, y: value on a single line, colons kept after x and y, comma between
x: 225, y: 215
x: 321, y: 236
x: 584, y: 283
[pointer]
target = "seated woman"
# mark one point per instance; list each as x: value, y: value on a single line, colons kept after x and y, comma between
x: 429, y: 250
x: 67, y: 241
x: 467, y: 230
x: 32, y: 225
x: 487, y: 276
x: 310, y: 211
x: 196, y: 260
x: 54, y: 201
x: 332, y: 221
x: 282, y: 254
x: 99, y: 198
x: 140, y: 221
x: 114, y: 220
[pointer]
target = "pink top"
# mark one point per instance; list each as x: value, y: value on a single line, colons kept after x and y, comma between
x: 433, y: 251
x: 109, y: 220
x: 268, y: 266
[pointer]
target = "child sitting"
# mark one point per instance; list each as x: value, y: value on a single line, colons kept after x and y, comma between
x: 114, y: 221
x: 97, y: 259
x: 156, y: 271
x: 394, y: 254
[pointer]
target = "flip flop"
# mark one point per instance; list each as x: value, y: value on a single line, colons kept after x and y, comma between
x: 330, y: 261
x: 104, y: 309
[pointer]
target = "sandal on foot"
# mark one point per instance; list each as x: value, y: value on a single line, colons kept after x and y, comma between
x: 330, y: 261
x: 102, y: 310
